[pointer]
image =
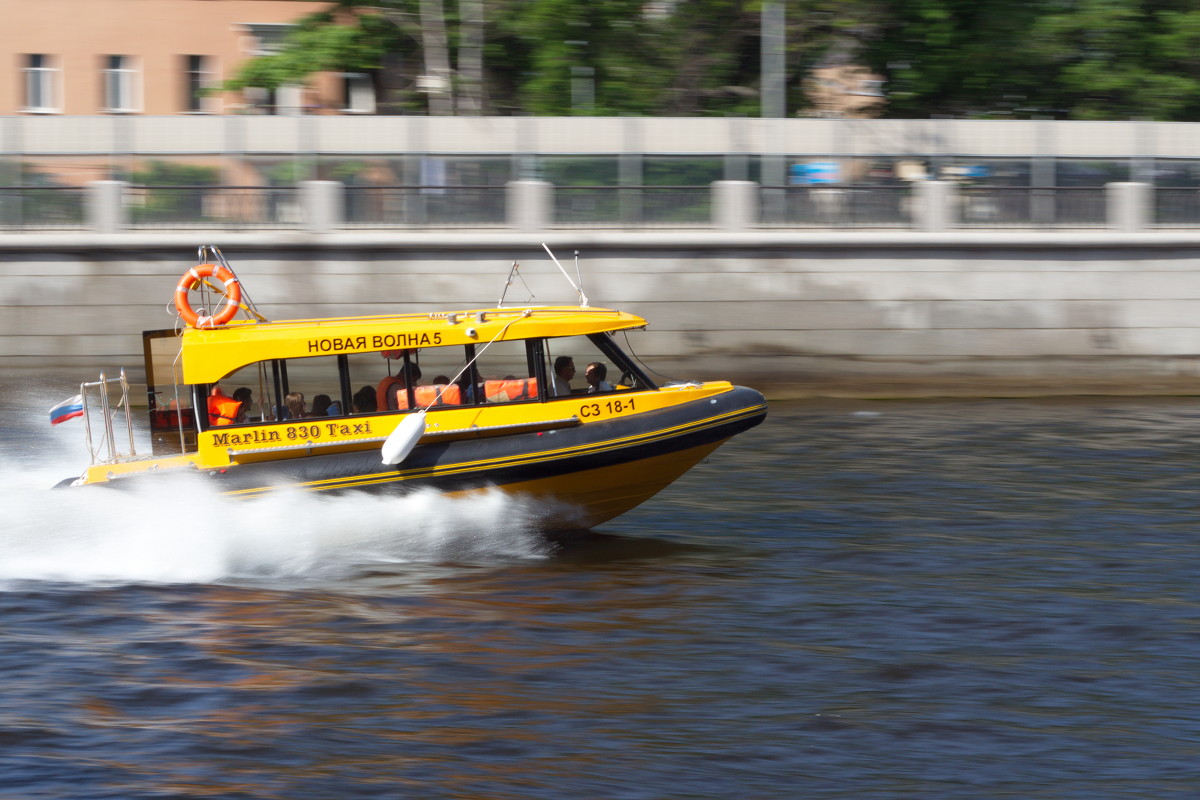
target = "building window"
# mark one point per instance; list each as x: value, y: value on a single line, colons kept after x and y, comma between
x: 358, y: 93
x: 198, y: 76
x: 41, y: 78
x: 268, y: 37
x: 119, y: 78
x: 287, y: 100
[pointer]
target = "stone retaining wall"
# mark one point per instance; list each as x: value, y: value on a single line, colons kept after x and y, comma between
x: 861, y: 314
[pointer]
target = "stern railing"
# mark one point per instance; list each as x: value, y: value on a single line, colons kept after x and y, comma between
x: 107, y: 412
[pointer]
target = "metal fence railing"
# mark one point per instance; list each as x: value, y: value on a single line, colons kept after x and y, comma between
x: 400, y: 206
x: 894, y: 206
x: 632, y: 206
x: 43, y: 208
x: 1032, y: 207
x: 1176, y: 207
x: 151, y: 207
x: 853, y: 206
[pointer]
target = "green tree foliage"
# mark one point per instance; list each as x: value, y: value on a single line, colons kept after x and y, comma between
x: 1078, y: 59
x: 1084, y: 59
x: 955, y: 57
x: 577, y: 51
x: 339, y: 40
x: 170, y: 173
x: 1122, y: 58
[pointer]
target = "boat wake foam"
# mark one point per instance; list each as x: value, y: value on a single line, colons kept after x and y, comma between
x: 180, y: 531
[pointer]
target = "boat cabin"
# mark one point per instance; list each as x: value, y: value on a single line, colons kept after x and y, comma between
x: 264, y: 387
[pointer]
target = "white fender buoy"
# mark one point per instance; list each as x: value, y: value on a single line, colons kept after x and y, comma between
x: 401, y: 441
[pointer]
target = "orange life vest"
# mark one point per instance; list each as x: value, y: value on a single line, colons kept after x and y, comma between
x: 222, y: 410
x: 387, y: 389
x: 450, y: 395
x: 507, y: 391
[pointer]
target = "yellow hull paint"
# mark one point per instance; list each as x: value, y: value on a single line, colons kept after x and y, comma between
x: 594, y: 496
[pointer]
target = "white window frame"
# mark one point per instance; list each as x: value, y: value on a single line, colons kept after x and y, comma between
x: 268, y: 37
x: 358, y: 93
x: 41, y: 83
x: 202, y: 77
x: 120, y: 85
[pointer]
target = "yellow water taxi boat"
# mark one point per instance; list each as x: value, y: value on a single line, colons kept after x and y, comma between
x: 538, y: 401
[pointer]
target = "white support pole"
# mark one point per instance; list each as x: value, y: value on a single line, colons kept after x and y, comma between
x: 324, y: 205
x: 530, y: 205
x: 734, y: 205
x: 1129, y: 206
x: 106, y: 211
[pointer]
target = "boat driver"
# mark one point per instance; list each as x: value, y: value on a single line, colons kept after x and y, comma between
x: 564, y: 370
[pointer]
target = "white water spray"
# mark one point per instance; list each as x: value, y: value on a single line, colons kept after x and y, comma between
x: 177, y: 529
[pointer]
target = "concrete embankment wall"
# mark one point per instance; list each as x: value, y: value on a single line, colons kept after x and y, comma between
x: 850, y: 314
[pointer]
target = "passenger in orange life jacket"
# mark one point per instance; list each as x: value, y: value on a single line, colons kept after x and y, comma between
x: 222, y: 409
x: 246, y: 398
x: 387, y: 392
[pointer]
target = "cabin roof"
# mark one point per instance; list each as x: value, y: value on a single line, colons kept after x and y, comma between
x: 209, y: 355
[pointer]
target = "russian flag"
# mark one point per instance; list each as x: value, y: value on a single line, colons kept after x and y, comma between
x: 67, y: 409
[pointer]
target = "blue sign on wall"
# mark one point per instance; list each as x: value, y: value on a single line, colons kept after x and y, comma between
x: 814, y: 172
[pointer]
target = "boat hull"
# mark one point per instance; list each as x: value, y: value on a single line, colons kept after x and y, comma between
x: 585, y: 474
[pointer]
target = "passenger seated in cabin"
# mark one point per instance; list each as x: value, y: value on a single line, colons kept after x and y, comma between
x: 324, y: 406
x: 364, y: 401
x: 467, y: 391
x: 440, y: 379
x: 246, y: 398
x: 564, y: 371
x: 595, y: 373
x: 293, y: 406
x: 222, y: 409
x: 386, y: 393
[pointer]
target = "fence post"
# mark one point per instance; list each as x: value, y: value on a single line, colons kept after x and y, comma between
x: 935, y: 204
x: 1128, y: 206
x: 529, y: 205
x: 106, y: 212
x: 323, y: 205
x: 734, y: 205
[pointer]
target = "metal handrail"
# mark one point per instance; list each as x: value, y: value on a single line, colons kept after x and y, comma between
x: 107, y: 412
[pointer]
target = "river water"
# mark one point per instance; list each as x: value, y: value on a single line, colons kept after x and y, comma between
x: 975, y: 599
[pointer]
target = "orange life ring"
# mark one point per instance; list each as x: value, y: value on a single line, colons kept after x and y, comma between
x: 191, y: 279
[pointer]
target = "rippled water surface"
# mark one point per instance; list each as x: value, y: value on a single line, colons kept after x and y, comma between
x: 855, y: 600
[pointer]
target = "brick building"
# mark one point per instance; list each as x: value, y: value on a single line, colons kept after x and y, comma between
x: 83, y: 57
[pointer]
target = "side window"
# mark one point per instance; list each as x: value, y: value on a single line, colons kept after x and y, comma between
x: 575, y: 365
x: 307, y: 388
x: 505, y: 374
x: 439, y: 383
x: 376, y: 377
x: 170, y: 402
x: 397, y: 380
x: 272, y: 391
x: 311, y: 387
x: 252, y: 386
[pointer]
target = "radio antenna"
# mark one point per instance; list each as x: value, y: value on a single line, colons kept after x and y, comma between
x: 583, y: 301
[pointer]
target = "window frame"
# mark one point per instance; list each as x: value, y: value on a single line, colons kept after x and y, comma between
x: 361, y: 80
x: 123, y: 77
x: 41, y: 70
x: 198, y: 75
